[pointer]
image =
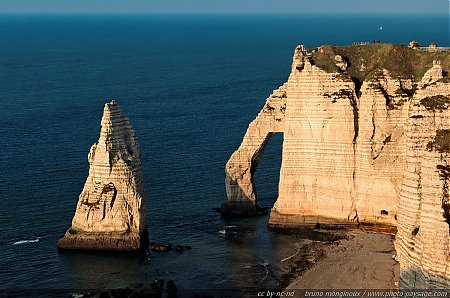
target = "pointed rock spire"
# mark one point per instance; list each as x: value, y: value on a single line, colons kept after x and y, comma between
x: 111, y: 209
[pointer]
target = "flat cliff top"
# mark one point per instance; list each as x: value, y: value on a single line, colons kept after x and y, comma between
x: 365, y: 60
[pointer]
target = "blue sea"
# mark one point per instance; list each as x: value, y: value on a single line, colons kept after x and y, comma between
x: 190, y: 84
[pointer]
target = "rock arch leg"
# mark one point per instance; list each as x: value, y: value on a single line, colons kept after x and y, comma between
x: 241, y: 166
x: 239, y: 182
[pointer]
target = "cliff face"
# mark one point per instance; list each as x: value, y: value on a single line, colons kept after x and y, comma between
x: 423, y: 213
x: 366, y: 141
x: 342, y: 156
x: 343, y: 146
x: 111, y: 209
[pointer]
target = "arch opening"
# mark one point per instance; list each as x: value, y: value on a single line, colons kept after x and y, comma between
x: 266, y: 171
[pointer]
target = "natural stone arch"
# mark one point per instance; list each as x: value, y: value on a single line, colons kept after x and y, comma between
x: 242, y: 165
x: 332, y: 128
x: 357, y: 153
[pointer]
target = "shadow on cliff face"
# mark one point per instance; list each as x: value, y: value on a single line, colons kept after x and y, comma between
x: 415, y: 279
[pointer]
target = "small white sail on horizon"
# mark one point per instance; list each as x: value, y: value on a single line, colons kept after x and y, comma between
x: 381, y: 27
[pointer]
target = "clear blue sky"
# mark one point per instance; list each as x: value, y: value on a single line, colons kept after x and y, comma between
x: 226, y: 6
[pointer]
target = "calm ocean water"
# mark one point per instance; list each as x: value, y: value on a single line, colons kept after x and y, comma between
x: 190, y: 85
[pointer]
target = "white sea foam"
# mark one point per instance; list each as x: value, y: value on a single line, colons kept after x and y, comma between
x: 290, y: 257
x: 26, y: 241
x: 230, y: 227
x: 223, y: 232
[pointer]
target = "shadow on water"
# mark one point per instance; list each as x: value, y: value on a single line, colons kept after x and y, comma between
x: 87, y: 268
x: 271, y: 258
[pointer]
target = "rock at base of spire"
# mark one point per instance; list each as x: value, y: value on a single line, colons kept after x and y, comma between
x: 241, y: 208
x: 73, y: 240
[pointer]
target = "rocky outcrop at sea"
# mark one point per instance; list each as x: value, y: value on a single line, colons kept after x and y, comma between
x: 111, y: 209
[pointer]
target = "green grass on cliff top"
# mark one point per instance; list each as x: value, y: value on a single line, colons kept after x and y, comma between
x: 400, y: 60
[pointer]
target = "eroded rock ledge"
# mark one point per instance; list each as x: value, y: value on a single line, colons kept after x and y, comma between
x: 366, y: 143
x: 111, y: 209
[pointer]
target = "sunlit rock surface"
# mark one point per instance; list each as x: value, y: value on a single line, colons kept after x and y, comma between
x: 366, y: 144
x: 111, y: 209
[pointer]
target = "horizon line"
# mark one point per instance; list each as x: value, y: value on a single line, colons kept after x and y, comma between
x: 214, y: 13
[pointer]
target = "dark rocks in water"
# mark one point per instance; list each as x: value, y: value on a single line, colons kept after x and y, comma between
x: 171, y: 289
x: 179, y: 248
x: 162, y: 247
x: 168, y: 247
x: 157, y: 287
x: 202, y: 295
x: 121, y: 292
x: 127, y: 293
x: 237, y: 234
x: 233, y: 209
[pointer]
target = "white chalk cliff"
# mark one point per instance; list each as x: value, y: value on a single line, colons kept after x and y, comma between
x: 342, y: 160
x: 423, y: 242
x: 111, y: 209
x: 355, y: 152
